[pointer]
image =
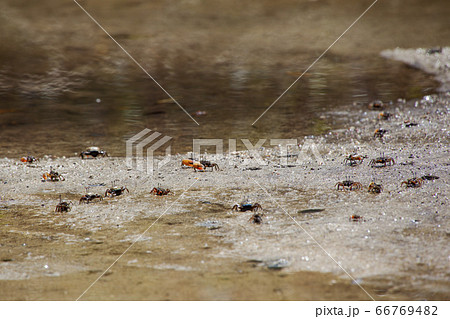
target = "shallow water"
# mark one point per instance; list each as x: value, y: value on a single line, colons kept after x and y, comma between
x: 65, y: 85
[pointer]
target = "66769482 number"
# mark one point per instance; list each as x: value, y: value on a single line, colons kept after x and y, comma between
x: 406, y: 310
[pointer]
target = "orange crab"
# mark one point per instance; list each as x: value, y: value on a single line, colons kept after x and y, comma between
x: 384, y: 115
x: 160, y: 191
x: 53, y: 176
x: 356, y: 218
x: 376, y: 105
x: 29, y: 159
x: 379, y: 132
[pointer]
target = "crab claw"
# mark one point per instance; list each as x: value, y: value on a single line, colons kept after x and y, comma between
x: 187, y: 162
x: 23, y: 159
x: 198, y: 166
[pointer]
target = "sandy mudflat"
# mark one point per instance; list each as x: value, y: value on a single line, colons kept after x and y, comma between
x: 198, y: 249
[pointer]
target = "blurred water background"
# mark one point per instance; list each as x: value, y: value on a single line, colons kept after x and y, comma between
x: 65, y: 85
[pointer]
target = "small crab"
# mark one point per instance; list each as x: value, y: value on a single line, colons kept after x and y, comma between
x: 63, y: 207
x: 53, y: 176
x: 256, y: 218
x: 115, y: 191
x: 413, y: 182
x: 375, y: 188
x: 243, y: 207
x: 379, y: 132
x: 209, y: 164
x: 160, y: 191
x: 353, y: 160
x: 381, y: 161
x: 356, y: 218
x: 409, y: 123
x: 434, y: 50
x: 93, y: 151
x: 29, y: 159
x: 90, y: 197
x: 348, y: 183
x: 384, y: 115
x: 376, y: 105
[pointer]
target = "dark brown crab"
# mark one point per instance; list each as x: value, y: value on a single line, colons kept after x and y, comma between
x: 115, y: 191
x: 375, y: 188
x: 93, y: 151
x: 209, y: 164
x: 63, y: 207
x: 413, y: 182
x: 243, y: 207
x: 382, y: 161
x: 256, y: 218
x: 351, y: 185
x: 90, y: 197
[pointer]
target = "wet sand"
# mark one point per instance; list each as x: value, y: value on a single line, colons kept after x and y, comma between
x: 398, y: 251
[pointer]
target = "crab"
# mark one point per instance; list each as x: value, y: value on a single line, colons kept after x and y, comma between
x: 356, y: 218
x: 256, y: 218
x: 243, y: 207
x: 410, y: 124
x: 379, y: 132
x: 115, y: 191
x: 413, y: 182
x: 160, y: 191
x: 353, y: 160
x: 90, y: 197
x: 384, y: 115
x: 190, y: 162
x: 93, y: 151
x: 209, y: 164
x: 63, y: 207
x: 29, y: 159
x: 348, y: 183
x: 376, y: 105
x: 375, y: 188
x: 53, y: 176
x: 381, y: 161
